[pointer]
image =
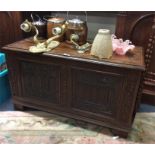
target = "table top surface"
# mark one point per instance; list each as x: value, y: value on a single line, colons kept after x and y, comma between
x: 133, y: 59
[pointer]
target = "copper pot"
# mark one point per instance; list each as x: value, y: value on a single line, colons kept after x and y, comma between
x: 55, y: 26
x: 77, y: 30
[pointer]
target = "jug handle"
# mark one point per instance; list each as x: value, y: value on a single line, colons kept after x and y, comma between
x: 32, y: 17
x: 83, y: 11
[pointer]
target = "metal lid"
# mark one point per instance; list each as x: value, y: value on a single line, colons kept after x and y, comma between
x: 56, y: 20
x: 75, y: 21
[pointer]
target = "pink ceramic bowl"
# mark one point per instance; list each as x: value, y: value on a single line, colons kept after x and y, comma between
x: 121, y: 47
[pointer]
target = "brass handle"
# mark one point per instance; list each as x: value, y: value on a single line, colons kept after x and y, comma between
x: 32, y: 17
x: 83, y: 11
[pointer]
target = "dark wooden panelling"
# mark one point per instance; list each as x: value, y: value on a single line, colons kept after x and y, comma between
x: 10, y: 27
x: 95, y: 91
x: 40, y: 81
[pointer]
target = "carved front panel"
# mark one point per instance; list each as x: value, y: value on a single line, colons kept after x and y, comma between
x: 40, y: 81
x: 14, y: 75
x: 96, y: 92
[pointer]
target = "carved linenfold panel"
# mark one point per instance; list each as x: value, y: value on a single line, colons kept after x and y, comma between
x: 131, y: 85
x: 96, y: 91
x: 40, y: 81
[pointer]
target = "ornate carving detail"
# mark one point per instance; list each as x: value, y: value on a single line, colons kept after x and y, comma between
x: 150, y: 76
x: 95, y: 92
x: 130, y: 81
x: 40, y: 81
x: 150, y: 46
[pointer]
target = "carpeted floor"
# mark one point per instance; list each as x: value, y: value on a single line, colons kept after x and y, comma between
x: 39, y: 127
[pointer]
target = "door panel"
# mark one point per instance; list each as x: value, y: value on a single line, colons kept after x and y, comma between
x: 96, y: 92
x: 104, y: 95
x: 40, y: 81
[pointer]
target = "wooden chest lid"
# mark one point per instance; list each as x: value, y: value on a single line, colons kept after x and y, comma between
x: 134, y: 59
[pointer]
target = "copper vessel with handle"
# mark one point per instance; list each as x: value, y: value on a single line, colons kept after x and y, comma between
x: 55, y: 26
x: 76, y: 30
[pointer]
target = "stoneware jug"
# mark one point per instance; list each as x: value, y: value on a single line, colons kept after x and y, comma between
x: 76, y: 30
x: 102, y: 44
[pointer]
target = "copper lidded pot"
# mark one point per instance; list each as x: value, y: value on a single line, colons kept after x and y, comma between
x: 77, y: 30
x: 55, y: 26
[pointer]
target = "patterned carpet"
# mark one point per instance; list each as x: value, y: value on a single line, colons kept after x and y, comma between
x: 43, y: 128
